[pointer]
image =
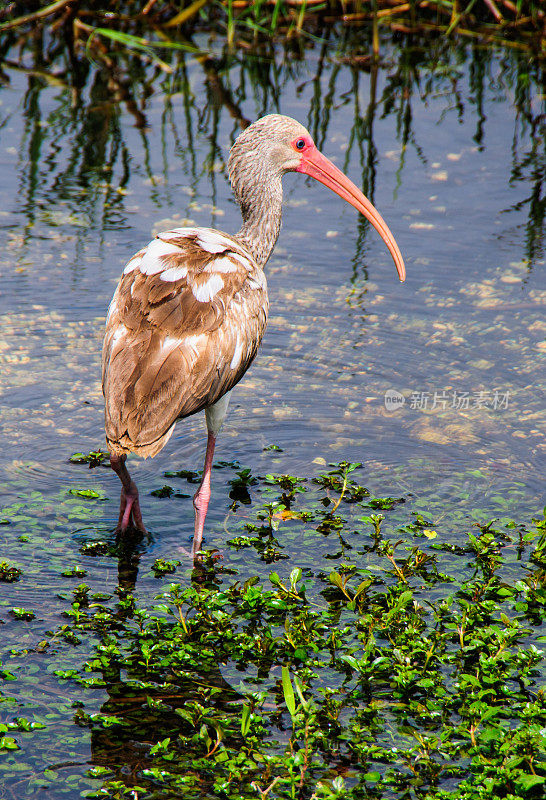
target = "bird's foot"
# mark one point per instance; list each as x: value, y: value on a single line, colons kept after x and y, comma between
x: 130, y: 515
x: 205, y: 559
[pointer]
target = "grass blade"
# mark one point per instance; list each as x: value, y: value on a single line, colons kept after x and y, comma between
x: 288, y: 691
x: 245, y: 720
x: 186, y: 14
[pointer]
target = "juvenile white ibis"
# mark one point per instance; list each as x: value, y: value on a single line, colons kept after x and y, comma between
x: 190, y: 310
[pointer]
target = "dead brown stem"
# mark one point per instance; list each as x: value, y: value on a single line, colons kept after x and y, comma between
x: 148, y: 7
x: 494, y: 10
x: 43, y: 12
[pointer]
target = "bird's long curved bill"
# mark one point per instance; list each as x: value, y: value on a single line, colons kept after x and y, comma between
x: 316, y: 165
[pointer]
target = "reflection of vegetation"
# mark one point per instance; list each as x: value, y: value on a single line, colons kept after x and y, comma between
x: 529, y: 166
x: 403, y: 665
x: 75, y: 157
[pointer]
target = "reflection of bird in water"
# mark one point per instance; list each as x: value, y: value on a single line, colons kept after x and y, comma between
x: 190, y: 310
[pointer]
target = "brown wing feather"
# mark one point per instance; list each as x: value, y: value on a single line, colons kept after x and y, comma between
x: 174, y: 346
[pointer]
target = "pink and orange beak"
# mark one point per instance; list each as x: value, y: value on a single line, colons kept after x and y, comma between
x: 316, y: 165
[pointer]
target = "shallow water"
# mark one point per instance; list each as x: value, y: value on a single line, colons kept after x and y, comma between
x: 455, y: 167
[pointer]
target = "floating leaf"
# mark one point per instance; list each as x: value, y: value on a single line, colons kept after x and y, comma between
x: 88, y: 493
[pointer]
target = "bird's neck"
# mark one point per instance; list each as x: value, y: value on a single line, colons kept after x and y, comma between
x: 262, y: 215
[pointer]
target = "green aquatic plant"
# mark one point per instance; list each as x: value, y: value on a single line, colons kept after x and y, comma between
x: 95, y: 458
x: 22, y: 613
x: 9, y: 573
x: 408, y: 664
x: 162, y: 566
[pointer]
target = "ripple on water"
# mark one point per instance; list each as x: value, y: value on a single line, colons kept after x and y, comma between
x: 342, y: 330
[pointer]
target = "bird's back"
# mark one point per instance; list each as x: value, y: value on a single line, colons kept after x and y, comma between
x: 183, y: 327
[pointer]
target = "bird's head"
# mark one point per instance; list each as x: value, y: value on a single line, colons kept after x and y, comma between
x: 271, y: 141
x: 274, y: 145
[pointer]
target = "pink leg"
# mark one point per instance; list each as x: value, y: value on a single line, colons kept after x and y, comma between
x: 129, y: 507
x: 202, y: 496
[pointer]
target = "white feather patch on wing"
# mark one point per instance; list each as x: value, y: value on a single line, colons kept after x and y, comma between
x: 221, y: 265
x: 120, y: 331
x: 112, y: 308
x: 192, y: 342
x: 237, y: 355
x: 206, y: 291
x: 132, y: 264
x: 174, y: 274
x: 177, y: 233
x: 152, y: 260
x: 169, y: 342
x: 257, y: 281
x: 244, y: 262
x: 213, y: 242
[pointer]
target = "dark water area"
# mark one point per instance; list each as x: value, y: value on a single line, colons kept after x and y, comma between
x: 449, y: 146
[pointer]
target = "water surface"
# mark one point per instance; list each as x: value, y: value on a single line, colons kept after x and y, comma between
x: 449, y: 146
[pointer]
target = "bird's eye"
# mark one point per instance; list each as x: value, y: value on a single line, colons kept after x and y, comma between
x: 300, y: 144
